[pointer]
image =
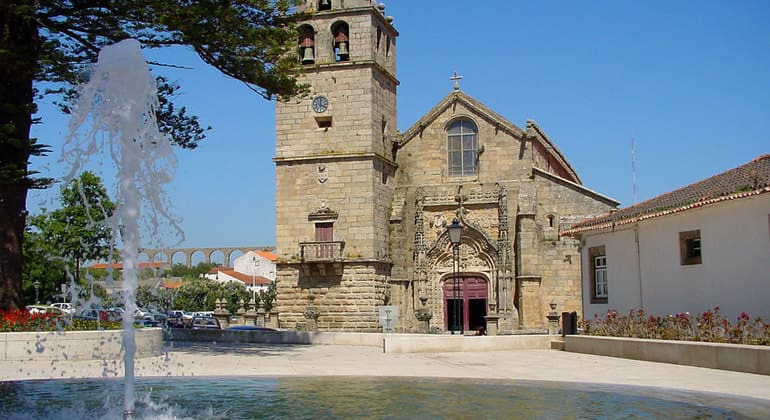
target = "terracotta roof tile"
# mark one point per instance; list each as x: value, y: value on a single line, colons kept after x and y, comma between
x: 172, y: 284
x: 246, y: 278
x: 267, y: 255
x: 119, y: 266
x: 746, y: 180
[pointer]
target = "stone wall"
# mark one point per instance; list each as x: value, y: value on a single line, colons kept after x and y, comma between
x: 77, y: 345
x: 344, y: 296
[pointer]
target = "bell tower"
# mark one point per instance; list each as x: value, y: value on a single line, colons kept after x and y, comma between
x: 334, y: 169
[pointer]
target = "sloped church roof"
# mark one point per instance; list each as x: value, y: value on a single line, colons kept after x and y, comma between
x: 533, y: 131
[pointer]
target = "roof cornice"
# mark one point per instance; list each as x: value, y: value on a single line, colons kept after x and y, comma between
x: 607, y: 200
x: 335, y: 157
x: 612, y: 224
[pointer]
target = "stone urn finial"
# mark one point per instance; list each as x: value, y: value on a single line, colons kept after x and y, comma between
x: 423, y: 314
x: 311, y: 312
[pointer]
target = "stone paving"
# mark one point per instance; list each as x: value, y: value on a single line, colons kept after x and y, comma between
x: 747, y: 393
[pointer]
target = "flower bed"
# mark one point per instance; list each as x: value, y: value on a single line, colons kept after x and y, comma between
x: 710, y: 326
x: 46, y: 336
x: 24, y: 321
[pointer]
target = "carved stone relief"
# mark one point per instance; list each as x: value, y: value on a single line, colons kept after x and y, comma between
x: 323, y: 174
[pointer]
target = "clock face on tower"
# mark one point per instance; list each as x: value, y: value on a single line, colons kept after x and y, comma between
x: 320, y: 103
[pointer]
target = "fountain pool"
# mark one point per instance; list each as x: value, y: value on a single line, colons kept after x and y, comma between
x: 344, y: 397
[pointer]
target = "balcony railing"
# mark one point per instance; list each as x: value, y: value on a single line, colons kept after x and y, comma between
x: 321, y: 251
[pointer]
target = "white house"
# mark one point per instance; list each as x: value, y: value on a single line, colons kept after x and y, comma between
x: 255, y: 269
x: 689, y: 250
x: 260, y: 263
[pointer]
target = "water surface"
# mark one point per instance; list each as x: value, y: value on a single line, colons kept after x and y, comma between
x: 343, y: 397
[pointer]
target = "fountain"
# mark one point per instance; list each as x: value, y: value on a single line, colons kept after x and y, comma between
x: 115, y: 113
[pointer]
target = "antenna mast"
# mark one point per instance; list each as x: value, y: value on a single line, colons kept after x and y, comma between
x: 633, y: 168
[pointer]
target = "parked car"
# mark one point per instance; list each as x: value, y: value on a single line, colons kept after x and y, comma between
x: 144, y: 322
x: 205, y: 323
x: 101, y: 314
x: 45, y: 309
x: 156, y: 317
x: 63, y: 306
x: 179, y: 319
x: 249, y: 328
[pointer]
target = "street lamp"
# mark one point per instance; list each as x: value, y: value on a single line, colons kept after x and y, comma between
x: 254, y: 278
x: 455, y: 237
x: 37, y: 290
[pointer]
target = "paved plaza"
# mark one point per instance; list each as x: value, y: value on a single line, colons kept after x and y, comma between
x: 747, y: 393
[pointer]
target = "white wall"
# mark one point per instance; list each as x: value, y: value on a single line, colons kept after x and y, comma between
x: 252, y: 263
x: 623, y: 281
x: 223, y: 277
x: 734, y: 273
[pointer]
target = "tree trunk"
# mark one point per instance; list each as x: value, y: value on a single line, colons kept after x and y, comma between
x: 19, y: 53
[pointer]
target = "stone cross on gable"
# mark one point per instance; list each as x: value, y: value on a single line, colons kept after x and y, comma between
x: 456, y: 78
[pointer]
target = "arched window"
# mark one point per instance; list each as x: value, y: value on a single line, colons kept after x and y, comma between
x: 306, y: 44
x: 341, y: 46
x: 462, y: 143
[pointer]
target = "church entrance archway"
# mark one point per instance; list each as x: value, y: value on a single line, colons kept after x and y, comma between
x: 470, y: 293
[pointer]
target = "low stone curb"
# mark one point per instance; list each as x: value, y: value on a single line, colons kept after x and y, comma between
x: 77, y: 345
x: 735, y: 357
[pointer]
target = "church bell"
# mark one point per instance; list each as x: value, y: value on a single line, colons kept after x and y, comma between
x: 307, y: 55
x: 342, y: 51
x: 325, y: 5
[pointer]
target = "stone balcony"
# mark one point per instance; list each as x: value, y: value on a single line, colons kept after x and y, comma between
x: 319, y: 252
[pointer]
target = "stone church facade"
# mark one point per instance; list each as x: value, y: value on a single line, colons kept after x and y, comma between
x: 362, y: 210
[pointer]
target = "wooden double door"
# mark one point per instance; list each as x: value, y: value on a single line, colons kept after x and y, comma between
x: 465, y: 303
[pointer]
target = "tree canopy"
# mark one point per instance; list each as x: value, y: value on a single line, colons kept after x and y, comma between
x: 52, y: 43
x: 79, y: 231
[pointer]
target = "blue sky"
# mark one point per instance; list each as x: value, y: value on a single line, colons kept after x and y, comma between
x: 690, y: 81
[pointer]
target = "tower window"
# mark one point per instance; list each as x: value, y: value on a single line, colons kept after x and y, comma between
x: 384, y: 129
x: 324, y: 122
x: 306, y: 44
x: 462, y: 146
x: 340, y: 32
x: 325, y: 5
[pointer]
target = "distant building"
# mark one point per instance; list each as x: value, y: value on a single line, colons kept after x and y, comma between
x: 255, y: 269
x: 158, y: 266
x: 155, y: 280
x: 689, y: 250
